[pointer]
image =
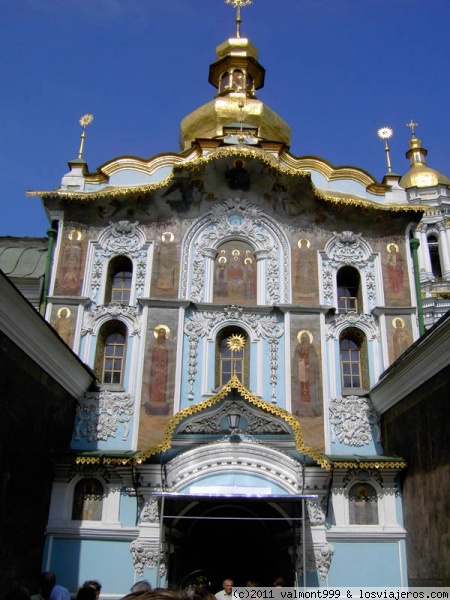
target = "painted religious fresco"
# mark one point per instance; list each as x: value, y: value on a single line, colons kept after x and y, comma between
x: 235, y: 274
x: 305, y: 284
x: 63, y: 322
x: 71, y: 266
x: 395, y: 275
x: 306, y: 380
x: 158, y: 379
x: 400, y: 337
x: 166, y: 264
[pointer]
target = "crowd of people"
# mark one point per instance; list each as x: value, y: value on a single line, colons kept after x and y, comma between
x: 141, y: 590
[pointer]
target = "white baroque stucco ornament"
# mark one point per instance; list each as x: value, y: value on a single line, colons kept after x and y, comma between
x: 237, y: 219
x: 201, y: 323
x: 316, y: 512
x: 348, y: 248
x: 318, y: 558
x: 145, y: 555
x: 150, y: 511
x: 99, y: 414
x: 352, y: 418
x: 125, y: 239
x: 352, y: 319
x: 129, y: 314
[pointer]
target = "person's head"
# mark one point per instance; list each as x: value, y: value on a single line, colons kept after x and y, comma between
x: 47, y: 582
x: 251, y: 583
x: 95, y: 584
x: 278, y: 582
x: 141, y: 586
x: 228, y: 585
x: 87, y: 592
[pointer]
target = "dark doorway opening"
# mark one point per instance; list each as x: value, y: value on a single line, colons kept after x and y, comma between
x: 231, y: 538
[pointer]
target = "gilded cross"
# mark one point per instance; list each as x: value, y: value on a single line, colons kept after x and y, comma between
x: 412, y: 125
x: 237, y: 4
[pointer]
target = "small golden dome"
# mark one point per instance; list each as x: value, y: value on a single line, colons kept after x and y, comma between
x: 237, y: 75
x: 420, y: 175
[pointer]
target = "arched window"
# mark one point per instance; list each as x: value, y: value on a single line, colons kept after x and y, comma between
x: 118, y: 286
x: 433, y: 248
x: 88, y: 500
x: 363, y: 504
x: 349, y: 290
x: 238, y: 78
x: 110, y: 355
x: 232, y: 356
x: 354, y: 360
x: 224, y: 82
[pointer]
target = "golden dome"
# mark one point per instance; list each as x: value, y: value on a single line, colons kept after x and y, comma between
x: 237, y: 75
x: 420, y: 175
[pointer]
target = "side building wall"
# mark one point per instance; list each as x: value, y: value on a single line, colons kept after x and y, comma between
x: 417, y: 429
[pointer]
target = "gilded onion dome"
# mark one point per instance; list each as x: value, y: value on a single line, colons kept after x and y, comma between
x: 236, y: 74
x: 419, y: 174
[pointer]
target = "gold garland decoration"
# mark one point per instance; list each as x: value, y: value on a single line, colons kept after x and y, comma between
x: 102, y: 460
x: 202, y: 161
x: 368, y: 204
x: 105, y: 192
x: 234, y: 383
x: 242, y: 151
x: 357, y: 464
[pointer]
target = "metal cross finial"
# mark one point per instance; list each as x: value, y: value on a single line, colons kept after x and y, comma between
x: 85, y: 120
x: 412, y: 125
x: 237, y: 4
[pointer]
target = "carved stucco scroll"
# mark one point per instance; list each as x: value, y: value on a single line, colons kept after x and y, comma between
x: 318, y: 558
x: 352, y: 419
x: 99, y: 415
x: 129, y: 314
x: 145, y: 555
x: 352, y: 319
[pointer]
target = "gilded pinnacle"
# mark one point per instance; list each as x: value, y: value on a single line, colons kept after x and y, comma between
x: 412, y: 125
x: 84, y: 121
x: 237, y: 4
x: 385, y: 133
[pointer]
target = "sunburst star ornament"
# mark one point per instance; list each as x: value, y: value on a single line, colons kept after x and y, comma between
x: 84, y: 121
x: 385, y: 133
x: 236, y: 342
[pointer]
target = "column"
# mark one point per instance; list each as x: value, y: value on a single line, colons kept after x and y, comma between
x: 208, y: 283
x: 261, y: 267
x: 444, y: 254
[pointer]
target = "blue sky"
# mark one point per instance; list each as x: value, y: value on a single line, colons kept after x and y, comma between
x: 336, y: 71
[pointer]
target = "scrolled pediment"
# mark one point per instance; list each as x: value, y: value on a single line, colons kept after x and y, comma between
x: 253, y: 421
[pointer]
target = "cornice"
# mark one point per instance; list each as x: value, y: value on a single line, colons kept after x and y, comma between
x: 95, y: 532
x: 147, y: 166
x: 25, y: 327
x: 363, y: 533
x: 333, y: 173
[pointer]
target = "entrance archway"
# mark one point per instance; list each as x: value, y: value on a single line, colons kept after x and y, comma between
x: 233, y: 538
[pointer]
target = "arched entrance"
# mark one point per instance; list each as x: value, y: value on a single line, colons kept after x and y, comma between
x: 237, y: 538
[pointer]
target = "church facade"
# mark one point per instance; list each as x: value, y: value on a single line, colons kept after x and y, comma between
x: 237, y: 304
